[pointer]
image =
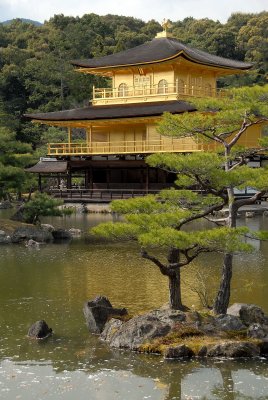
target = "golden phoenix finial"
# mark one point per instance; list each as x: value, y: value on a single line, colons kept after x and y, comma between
x: 166, y: 24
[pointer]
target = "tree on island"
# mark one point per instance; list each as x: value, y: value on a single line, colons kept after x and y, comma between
x: 222, y: 122
x: 41, y: 205
x: 160, y: 221
x: 162, y: 226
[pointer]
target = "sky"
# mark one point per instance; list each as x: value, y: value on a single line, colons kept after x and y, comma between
x: 174, y: 10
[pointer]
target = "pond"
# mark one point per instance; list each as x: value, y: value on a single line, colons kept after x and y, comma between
x: 54, y: 282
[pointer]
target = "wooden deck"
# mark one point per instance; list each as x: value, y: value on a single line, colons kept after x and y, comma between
x: 98, y: 195
x: 107, y: 195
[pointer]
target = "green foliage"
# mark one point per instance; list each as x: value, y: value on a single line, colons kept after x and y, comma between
x: 14, y: 157
x: 156, y: 221
x: 42, y: 205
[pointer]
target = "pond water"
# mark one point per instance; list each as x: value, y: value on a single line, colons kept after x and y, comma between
x: 54, y: 282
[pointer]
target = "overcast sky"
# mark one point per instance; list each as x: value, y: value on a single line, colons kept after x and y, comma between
x: 144, y: 9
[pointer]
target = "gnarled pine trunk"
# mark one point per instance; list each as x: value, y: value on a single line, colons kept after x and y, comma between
x: 223, y: 296
x: 174, y: 277
x: 175, y: 290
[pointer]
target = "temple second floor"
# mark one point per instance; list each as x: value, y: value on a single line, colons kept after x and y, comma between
x: 125, y: 129
x: 141, y: 138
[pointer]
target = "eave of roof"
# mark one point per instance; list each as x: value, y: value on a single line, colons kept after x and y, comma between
x: 118, y: 111
x: 156, y: 51
x: 48, y: 167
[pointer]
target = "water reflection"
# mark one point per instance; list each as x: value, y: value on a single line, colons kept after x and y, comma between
x: 127, y: 376
x: 53, y: 284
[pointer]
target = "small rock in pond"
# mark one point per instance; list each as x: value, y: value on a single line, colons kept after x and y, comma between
x: 39, y: 330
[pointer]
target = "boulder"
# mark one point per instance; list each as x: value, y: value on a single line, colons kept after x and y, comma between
x: 110, y: 328
x: 32, y: 244
x: 133, y: 333
x: 258, y: 331
x: 202, y: 352
x: 4, y: 238
x: 75, y: 232
x: 142, y: 328
x: 234, y: 350
x: 27, y: 232
x: 248, y: 313
x: 48, y: 227
x: 180, y: 351
x: 61, y: 234
x: 229, y: 323
x: 98, y: 311
x: 39, y: 330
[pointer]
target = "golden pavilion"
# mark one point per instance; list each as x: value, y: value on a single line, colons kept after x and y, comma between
x: 120, y: 122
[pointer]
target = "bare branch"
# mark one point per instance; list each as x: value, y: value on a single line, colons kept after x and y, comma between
x: 163, y: 268
x: 215, y: 207
x: 219, y: 222
x: 190, y: 257
x: 244, y: 127
x: 252, y: 200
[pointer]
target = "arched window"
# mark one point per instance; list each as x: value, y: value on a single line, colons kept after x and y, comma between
x: 162, y: 86
x: 122, y: 90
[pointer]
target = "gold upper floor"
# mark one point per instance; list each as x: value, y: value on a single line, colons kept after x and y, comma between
x: 170, y: 81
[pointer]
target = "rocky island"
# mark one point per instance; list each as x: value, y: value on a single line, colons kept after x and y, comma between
x: 242, y: 332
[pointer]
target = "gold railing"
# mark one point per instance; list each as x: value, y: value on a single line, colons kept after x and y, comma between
x: 124, y: 147
x: 154, y: 90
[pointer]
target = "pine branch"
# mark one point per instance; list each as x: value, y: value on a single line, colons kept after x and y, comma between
x: 163, y: 268
x: 252, y: 200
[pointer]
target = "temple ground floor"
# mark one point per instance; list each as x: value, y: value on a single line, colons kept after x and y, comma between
x: 104, y: 178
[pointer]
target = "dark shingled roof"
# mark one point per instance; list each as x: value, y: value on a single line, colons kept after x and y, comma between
x: 157, y: 50
x: 115, y: 111
x: 47, y: 167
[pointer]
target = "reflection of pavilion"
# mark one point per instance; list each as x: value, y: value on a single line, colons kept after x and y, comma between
x: 120, y: 124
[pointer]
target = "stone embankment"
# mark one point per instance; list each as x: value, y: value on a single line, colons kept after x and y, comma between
x: 242, y: 332
x: 30, y: 234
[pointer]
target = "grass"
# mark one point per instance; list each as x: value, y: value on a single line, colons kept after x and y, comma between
x: 9, y: 226
x: 194, y: 338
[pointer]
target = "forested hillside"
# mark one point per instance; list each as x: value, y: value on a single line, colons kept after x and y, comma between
x: 36, y: 74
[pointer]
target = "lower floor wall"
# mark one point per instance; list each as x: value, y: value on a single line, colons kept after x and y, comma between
x: 109, y: 175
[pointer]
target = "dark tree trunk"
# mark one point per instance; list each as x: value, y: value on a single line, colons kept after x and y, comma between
x: 223, y: 296
x: 174, y: 277
x: 175, y: 291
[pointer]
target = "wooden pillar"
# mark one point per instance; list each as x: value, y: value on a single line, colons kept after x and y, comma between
x: 88, y: 139
x: 69, y: 139
x: 69, y: 179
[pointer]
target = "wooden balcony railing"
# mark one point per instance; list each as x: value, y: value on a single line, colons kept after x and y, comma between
x: 150, y: 91
x: 127, y: 147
